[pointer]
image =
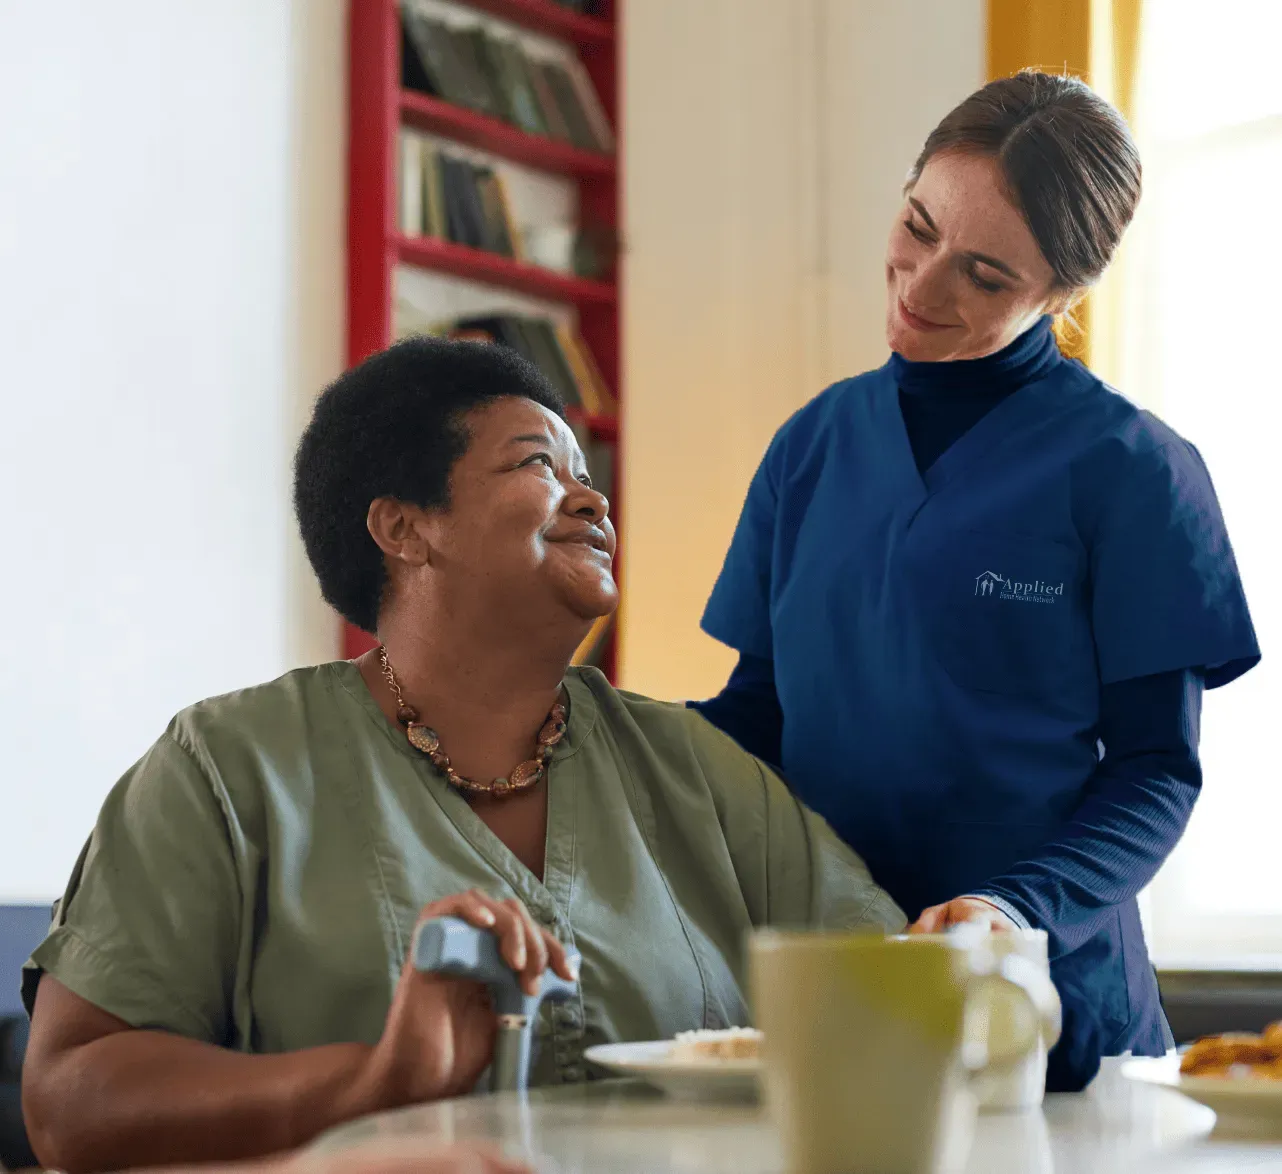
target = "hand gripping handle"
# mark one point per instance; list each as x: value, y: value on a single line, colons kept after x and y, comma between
x: 447, y: 945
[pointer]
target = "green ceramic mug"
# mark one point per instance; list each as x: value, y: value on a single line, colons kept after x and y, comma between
x: 872, y: 1044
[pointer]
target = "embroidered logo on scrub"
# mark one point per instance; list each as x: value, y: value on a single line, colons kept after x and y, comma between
x: 992, y: 585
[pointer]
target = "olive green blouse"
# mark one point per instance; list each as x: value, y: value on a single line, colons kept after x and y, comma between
x: 255, y: 879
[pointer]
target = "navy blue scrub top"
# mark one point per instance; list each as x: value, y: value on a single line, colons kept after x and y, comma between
x: 940, y: 640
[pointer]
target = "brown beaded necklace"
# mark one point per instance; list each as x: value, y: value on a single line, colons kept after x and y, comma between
x: 425, y: 739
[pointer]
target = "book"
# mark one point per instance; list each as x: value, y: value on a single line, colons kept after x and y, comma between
x: 476, y: 50
x: 555, y: 364
x: 608, y: 405
x: 435, y: 220
x: 480, y: 235
x: 509, y: 215
x: 525, y: 101
x: 543, y: 359
x: 567, y: 101
x: 414, y: 74
x: 409, y: 181
x: 590, y: 103
x: 582, y: 378
x: 552, y: 116
x: 497, y: 239
x: 456, y: 178
x: 438, y: 68
x: 481, y: 95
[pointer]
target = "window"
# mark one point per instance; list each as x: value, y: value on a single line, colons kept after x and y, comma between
x: 1202, y: 278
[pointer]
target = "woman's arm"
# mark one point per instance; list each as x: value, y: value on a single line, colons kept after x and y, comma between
x: 1133, y: 815
x: 748, y: 708
x: 101, y: 1095
x: 98, y: 1095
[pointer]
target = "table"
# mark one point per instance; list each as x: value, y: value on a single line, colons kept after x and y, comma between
x: 623, y: 1127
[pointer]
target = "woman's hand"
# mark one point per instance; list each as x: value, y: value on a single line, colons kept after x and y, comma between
x: 439, y: 1033
x: 938, y: 918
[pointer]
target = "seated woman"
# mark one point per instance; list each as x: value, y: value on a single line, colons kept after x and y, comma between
x: 225, y: 976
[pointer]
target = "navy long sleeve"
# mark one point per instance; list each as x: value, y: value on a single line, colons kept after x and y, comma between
x: 748, y: 709
x: 1133, y: 813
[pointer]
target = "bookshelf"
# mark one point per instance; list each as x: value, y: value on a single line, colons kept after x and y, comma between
x: 377, y: 248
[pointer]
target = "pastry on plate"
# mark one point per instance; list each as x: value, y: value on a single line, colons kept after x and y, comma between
x: 732, y: 1043
x: 1236, y: 1054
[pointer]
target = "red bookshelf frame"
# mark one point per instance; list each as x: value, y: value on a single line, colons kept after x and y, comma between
x: 378, y: 107
x: 494, y: 269
x: 490, y: 134
x: 540, y: 16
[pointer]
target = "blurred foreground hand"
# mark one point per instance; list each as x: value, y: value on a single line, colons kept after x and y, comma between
x: 938, y: 918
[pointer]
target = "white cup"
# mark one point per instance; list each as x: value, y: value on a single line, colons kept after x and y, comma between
x: 1010, y: 1088
x: 1023, y: 1086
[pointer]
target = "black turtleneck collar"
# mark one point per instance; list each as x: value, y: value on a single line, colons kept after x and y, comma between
x: 941, y: 402
x: 1030, y: 357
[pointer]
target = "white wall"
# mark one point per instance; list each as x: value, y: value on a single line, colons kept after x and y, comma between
x: 766, y: 146
x: 171, y: 284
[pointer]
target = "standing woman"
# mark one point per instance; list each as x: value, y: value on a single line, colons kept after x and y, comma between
x: 976, y: 593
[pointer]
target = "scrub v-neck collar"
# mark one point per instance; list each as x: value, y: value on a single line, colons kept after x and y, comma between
x: 1030, y: 366
x: 557, y: 879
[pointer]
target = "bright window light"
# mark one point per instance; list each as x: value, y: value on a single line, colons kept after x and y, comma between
x: 1200, y: 339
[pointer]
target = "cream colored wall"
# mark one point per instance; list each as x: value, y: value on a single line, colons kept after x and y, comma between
x: 766, y: 142
x: 317, y: 264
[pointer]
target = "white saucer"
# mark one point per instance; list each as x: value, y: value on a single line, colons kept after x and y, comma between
x: 1245, y: 1107
x: 698, y: 1080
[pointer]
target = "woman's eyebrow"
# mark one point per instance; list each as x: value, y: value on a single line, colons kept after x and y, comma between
x: 531, y: 438
x: 994, y: 263
x: 982, y: 258
x: 921, y: 211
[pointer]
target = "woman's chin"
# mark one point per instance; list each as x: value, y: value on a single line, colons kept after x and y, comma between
x: 911, y: 345
x: 590, y: 601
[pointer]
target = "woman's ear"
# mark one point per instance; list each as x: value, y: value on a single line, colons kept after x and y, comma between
x: 399, y: 531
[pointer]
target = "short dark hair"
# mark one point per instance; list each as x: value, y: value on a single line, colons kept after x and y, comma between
x: 393, y: 427
x: 1070, y: 164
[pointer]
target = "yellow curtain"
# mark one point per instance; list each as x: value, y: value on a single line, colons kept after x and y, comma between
x: 1098, y: 41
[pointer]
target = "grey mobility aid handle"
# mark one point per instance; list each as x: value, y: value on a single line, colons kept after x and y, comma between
x: 447, y: 945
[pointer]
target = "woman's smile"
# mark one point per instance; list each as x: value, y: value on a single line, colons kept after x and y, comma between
x: 917, y: 322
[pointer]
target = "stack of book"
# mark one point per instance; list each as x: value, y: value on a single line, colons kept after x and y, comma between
x: 496, y: 76
x: 555, y: 349
x: 453, y: 199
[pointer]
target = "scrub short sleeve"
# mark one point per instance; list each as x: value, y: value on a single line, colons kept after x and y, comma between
x: 148, y: 927
x: 738, y: 611
x: 1166, y: 594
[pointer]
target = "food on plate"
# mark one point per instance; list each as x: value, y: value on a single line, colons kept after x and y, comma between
x: 1236, y: 1054
x: 732, y: 1043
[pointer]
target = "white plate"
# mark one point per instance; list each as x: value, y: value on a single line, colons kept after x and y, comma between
x: 697, y: 1080
x: 1244, y: 1106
